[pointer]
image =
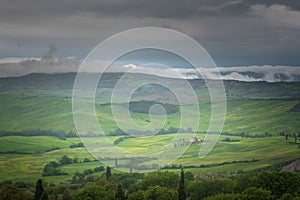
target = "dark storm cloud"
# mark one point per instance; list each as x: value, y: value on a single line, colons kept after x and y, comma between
x: 234, y: 32
x: 17, y: 10
x: 173, y: 9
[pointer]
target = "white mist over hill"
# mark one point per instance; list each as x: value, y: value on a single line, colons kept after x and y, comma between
x: 22, y: 66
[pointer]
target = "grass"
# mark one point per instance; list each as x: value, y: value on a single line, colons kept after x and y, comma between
x: 268, y: 151
x: 34, y: 144
x: 25, y: 112
x: 28, y: 167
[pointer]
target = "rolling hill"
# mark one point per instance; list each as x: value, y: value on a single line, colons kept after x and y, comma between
x: 43, y: 101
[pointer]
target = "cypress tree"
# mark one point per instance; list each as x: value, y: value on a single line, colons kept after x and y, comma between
x: 45, y: 196
x: 39, y: 190
x: 181, y: 191
x: 108, y: 172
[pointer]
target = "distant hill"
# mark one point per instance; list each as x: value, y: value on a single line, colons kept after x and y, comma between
x: 44, y: 101
x: 62, y: 85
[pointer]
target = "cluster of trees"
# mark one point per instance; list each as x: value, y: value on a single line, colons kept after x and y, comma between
x: 51, y: 169
x: 119, y: 132
x: 65, y: 160
x: 211, y: 165
x: 295, y: 136
x: 38, y: 132
x: 249, y: 135
x: 265, y: 134
x: 165, y: 185
x: 170, y: 130
x: 80, y: 144
x: 265, y: 185
x: 85, y: 176
x: 144, y: 107
x: 230, y: 140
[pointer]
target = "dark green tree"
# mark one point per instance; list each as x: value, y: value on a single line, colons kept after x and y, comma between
x: 93, y: 192
x: 39, y: 190
x: 208, y: 187
x: 108, y: 172
x: 99, y: 169
x: 181, y: 190
x: 120, y: 193
x: 154, y: 193
x: 45, y: 196
x: 65, y: 160
x: 67, y: 195
x: 287, y: 196
x: 160, y: 178
x: 10, y: 192
x: 256, y: 193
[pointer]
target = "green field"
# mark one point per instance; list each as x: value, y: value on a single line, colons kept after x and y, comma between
x: 258, y: 152
x: 25, y: 112
x: 41, y: 103
x: 33, y: 144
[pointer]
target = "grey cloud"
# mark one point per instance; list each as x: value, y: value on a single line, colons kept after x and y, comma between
x: 234, y: 32
x: 174, y: 9
x: 31, y: 10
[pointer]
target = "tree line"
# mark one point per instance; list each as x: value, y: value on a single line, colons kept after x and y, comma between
x: 52, y: 168
x: 119, y: 132
x: 38, y: 132
x: 163, y: 185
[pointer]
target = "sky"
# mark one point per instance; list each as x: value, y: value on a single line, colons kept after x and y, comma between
x: 233, y: 32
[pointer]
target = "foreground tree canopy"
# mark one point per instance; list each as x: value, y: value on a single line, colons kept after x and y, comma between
x: 161, y: 185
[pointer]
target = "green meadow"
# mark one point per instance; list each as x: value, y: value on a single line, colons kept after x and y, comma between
x: 25, y: 112
x: 229, y: 157
x: 261, y: 111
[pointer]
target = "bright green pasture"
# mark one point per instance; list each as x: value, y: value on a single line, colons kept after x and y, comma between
x: 28, y: 167
x: 268, y: 151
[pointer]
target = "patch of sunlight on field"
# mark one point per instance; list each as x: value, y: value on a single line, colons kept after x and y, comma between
x: 258, y: 152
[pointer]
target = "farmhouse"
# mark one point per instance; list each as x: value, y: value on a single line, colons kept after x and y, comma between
x: 195, y: 140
